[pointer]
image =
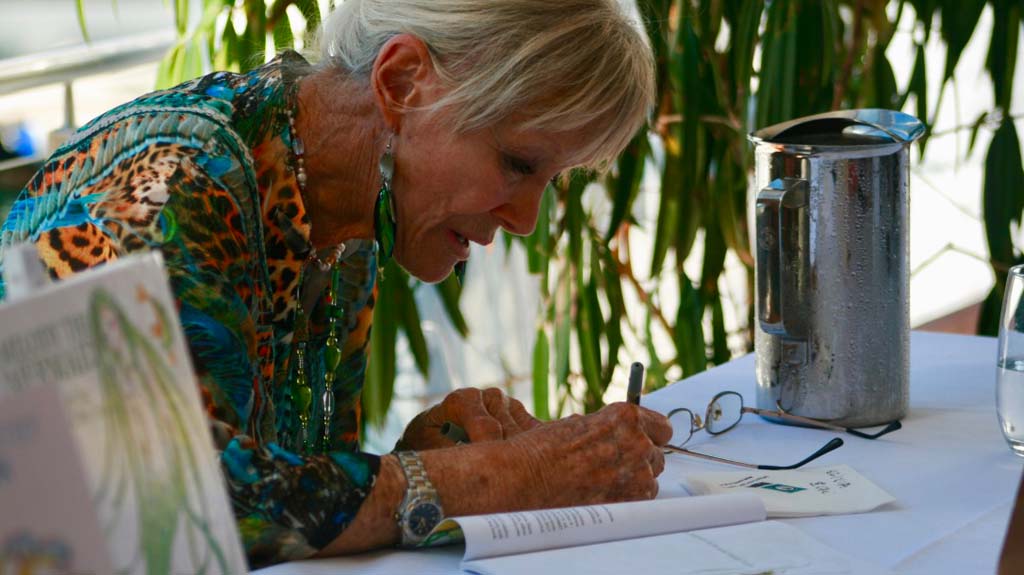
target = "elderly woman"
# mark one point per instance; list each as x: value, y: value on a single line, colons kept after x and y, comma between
x: 277, y: 195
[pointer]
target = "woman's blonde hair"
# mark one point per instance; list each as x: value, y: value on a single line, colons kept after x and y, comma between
x: 562, y: 65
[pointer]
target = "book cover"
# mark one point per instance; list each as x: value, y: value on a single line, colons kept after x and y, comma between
x: 109, y: 341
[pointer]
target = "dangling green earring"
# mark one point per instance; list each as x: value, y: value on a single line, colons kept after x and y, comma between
x: 384, y: 226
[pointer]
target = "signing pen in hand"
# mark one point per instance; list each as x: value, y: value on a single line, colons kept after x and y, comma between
x: 636, y: 383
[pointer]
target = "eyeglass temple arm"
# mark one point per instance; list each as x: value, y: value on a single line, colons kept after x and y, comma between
x: 836, y: 443
x: 817, y: 423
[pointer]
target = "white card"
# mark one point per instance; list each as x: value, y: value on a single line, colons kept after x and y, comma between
x: 835, y: 490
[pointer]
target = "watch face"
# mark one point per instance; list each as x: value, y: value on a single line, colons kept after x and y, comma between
x: 423, y: 518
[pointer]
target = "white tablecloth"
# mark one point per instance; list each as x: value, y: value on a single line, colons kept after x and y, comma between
x: 949, y: 468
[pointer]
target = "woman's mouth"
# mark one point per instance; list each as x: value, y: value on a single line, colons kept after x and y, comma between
x: 460, y: 243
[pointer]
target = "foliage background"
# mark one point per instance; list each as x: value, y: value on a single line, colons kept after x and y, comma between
x: 724, y: 67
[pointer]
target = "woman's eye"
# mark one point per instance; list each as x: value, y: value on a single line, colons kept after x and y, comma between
x: 517, y: 165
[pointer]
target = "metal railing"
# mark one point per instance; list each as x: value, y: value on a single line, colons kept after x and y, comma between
x: 68, y: 64
x: 65, y: 65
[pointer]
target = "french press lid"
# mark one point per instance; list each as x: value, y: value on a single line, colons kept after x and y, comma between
x: 843, y: 129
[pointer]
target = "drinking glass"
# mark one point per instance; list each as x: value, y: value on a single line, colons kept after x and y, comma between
x: 1010, y: 376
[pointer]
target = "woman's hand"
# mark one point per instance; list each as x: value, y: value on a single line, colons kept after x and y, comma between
x: 485, y: 415
x: 612, y: 455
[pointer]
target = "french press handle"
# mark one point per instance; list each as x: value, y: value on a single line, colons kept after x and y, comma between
x: 782, y: 270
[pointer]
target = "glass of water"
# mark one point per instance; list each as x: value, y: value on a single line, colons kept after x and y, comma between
x: 1010, y: 379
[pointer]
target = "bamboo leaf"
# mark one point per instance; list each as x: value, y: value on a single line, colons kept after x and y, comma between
x: 450, y: 292
x: 689, y: 334
x: 380, y: 371
x: 974, y: 132
x: 1003, y: 192
x: 588, y: 317
x: 918, y: 86
x: 959, y: 19
x: 719, y: 337
x: 181, y: 16
x: 1002, y: 53
x: 283, y: 38
x: 655, y: 378
x: 409, y: 322
x: 625, y: 185
x: 671, y: 189
x: 80, y: 14
x: 311, y: 12
x: 192, y: 63
x: 538, y: 244
x: 541, y: 362
x: 563, y: 330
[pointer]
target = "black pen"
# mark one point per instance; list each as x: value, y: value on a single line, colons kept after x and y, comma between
x: 636, y: 383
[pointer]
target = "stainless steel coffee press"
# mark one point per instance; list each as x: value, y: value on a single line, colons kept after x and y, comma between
x: 832, y: 333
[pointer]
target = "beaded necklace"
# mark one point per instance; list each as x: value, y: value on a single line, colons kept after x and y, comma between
x: 301, y: 390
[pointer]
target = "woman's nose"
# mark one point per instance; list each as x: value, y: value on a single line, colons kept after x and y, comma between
x: 519, y: 215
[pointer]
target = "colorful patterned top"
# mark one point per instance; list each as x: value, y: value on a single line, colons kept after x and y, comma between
x: 204, y: 172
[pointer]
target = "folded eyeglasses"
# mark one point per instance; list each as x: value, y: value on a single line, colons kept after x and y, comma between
x: 725, y: 411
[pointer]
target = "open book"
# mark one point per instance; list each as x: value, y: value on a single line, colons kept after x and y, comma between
x: 705, y: 535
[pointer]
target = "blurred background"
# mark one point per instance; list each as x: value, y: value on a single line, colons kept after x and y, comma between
x: 649, y: 263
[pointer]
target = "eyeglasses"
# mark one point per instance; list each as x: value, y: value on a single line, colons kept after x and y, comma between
x: 725, y: 411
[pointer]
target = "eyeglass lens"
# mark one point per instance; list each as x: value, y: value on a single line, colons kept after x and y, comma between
x: 683, y: 424
x: 724, y: 412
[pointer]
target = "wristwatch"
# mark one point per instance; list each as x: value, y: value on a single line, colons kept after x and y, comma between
x: 420, y: 510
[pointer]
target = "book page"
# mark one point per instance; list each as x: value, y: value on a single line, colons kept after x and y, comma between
x: 520, y: 532
x: 751, y: 549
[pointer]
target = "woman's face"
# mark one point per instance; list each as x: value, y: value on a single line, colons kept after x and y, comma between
x: 452, y: 190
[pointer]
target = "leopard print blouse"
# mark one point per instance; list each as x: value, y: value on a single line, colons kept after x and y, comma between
x: 204, y: 172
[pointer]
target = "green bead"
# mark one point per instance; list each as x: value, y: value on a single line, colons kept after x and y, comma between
x: 303, y: 399
x: 332, y: 358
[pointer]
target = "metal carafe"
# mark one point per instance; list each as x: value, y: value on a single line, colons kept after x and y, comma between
x: 832, y: 316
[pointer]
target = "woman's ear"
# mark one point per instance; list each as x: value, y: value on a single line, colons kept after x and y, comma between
x: 403, y: 78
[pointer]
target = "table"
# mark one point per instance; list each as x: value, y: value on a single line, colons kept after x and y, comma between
x: 949, y: 468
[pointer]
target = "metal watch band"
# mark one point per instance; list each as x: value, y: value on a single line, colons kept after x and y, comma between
x: 415, y: 473
x: 420, y: 509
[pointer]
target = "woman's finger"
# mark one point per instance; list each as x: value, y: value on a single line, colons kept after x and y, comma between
x: 498, y: 404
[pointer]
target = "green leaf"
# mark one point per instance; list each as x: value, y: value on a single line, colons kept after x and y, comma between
x: 409, y: 322
x: 719, y: 337
x: 671, y: 189
x: 689, y: 340
x: 588, y: 330
x: 1003, y: 192
x: 918, y: 86
x: 974, y: 132
x: 625, y: 185
x: 538, y: 244
x: 959, y: 19
x: 1002, y: 52
x: 80, y: 13
x: 378, y: 388
x: 192, y: 63
x: 655, y: 378
x: 450, y: 292
x: 311, y: 12
x: 988, y: 318
x: 541, y: 373
x: 181, y: 16
x: 283, y: 38
x: 881, y: 91
x: 169, y: 71
x: 563, y: 330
